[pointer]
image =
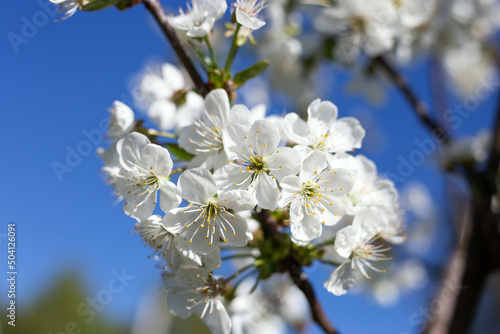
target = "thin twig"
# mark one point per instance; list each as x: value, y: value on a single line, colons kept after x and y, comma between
x: 299, y: 278
x: 155, y: 8
x: 419, y: 107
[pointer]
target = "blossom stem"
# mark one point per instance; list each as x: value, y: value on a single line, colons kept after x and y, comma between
x: 298, y: 277
x: 236, y: 256
x: 326, y: 243
x: 234, y: 48
x: 212, y: 52
x: 330, y: 262
x: 419, y: 107
x: 154, y: 132
x: 155, y: 8
x: 240, y: 271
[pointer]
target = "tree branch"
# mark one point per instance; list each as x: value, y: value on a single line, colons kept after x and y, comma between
x: 155, y: 8
x: 299, y: 278
x: 419, y: 107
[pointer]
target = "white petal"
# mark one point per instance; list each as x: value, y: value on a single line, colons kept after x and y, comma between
x: 340, y: 280
x: 237, y: 234
x: 187, y: 136
x: 218, y: 321
x: 323, y: 111
x: 346, y: 240
x: 173, y: 77
x: 296, y: 129
x: 263, y: 137
x: 217, y: 103
x: 169, y: 196
x: 336, y: 182
x: 266, y: 191
x: 177, y: 301
x: 290, y: 185
x: 175, y: 221
x: 197, y: 238
x: 285, y: 161
x: 197, y: 185
x: 233, y: 176
x: 247, y: 21
x: 233, y: 137
x: 130, y: 148
x: 162, y: 113
x: 304, y: 228
x: 346, y: 134
x: 313, y: 164
x: 239, y: 114
x: 140, y: 207
x: 237, y: 200
x: 157, y: 159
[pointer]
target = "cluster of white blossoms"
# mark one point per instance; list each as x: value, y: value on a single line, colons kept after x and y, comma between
x: 240, y: 165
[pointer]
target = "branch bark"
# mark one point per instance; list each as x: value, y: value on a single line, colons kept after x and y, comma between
x: 418, y: 106
x: 155, y: 8
x: 299, y: 278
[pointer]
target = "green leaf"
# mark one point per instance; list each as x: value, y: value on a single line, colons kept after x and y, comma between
x: 99, y: 4
x: 126, y: 4
x: 249, y: 73
x: 180, y: 153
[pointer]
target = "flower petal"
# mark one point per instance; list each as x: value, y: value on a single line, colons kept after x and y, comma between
x: 217, y: 103
x: 169, y: 196
x: 266, y: 191
x: 313, y: 164
x: 157, y: 159
x: 340, y: 280
x: 233, y: 176
x: 296, y: 129
x: 323, y: 111
x: 283, y: 162
x: 237, y: 200
x: 130, y: 147
x: 237, y: 233
x: 197, y: 185
x: 263, y: 137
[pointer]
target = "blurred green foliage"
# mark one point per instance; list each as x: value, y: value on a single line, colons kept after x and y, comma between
x: 55, y: 312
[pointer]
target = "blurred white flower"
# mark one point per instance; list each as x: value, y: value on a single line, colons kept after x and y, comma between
x: 200, y: 17
x: 247, y: 13
x: 170, y: 104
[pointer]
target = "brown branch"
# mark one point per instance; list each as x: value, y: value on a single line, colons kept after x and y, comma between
x: 419, y: 107
x: 299, y: 278
x: 155, y: 8
x: 482, y: 255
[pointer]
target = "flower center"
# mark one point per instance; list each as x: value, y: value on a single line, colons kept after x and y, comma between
x: 210, y: 131
x: 257, y: 164
x: 357, y: 23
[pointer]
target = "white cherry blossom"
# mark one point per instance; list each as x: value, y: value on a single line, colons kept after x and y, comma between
x: 316, y: 197
x: 256, y: 162
x: 368, y: 26
x: 204, y: 137
x: 69, y: 7
x: 169, y: 103
x: 200, y: 17
x: 247, y: 13
x: 356, y: 244
x: 196, y: 290
x: 371, y: 192
x: 146, y: 170
x: 207, y: 219
x: 121, y: 121
x: 174, y: 249
x: 323, y: 131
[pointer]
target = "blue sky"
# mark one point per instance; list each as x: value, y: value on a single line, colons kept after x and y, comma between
x: 57, y: 84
